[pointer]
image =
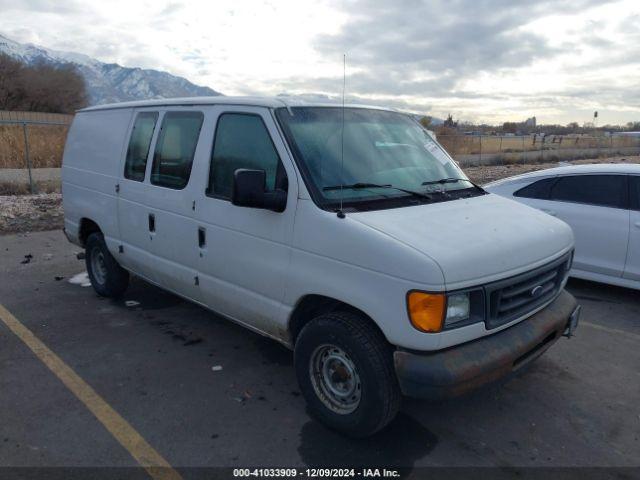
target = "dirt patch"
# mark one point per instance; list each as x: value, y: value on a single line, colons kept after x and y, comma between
x: 29, y: 213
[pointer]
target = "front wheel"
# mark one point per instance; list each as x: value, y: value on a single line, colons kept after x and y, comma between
x: 345, y: 370
x: 107, y: 277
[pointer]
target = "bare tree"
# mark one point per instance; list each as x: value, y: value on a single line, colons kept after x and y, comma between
x: 426, y: 121
x: 450, y: 123
x: 11, y: 91
x: 41, y: 87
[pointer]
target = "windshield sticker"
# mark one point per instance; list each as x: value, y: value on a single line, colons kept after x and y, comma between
x: 437, y: 152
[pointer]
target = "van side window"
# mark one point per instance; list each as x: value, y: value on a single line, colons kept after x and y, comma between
x: 139, y: 144
x: 175, y: 148
x: 600, y: 190
x: 241, y: 141
x: 538, y: 190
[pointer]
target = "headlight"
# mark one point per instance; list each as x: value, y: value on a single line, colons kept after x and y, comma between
x: 458, y: 308
x: 433, y: 312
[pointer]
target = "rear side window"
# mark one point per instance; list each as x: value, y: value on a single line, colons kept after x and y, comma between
x: 139, y: 143
x: 175, y: 148
x: 241, y: 141
x: 600, y: 190
x: 538, y: 190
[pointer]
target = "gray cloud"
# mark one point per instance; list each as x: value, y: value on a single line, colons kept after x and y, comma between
x: 171, y: 9
x: 454, y: 39
x: 431, y: 49
x: 373, y: 82
x: 50, y: 6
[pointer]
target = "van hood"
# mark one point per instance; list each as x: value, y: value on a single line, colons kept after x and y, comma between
x: 475, y: 240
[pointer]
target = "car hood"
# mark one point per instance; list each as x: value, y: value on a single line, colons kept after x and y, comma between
x: 475, y: 240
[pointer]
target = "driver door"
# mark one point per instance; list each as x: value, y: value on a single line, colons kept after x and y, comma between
x: 244, y: 252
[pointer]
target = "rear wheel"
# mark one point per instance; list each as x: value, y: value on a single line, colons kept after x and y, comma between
x: 345, y: 370
x: 107, y: 277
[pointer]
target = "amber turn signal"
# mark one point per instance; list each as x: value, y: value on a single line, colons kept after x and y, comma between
x: 426, y: 310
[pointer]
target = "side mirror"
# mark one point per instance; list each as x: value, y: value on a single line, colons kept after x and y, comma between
x: 249, y: 191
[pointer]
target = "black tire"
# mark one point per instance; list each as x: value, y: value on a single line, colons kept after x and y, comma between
x: 113, y: 280
x: 368, y: 351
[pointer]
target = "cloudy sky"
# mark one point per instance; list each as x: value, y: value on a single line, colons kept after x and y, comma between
x: 480, y: 60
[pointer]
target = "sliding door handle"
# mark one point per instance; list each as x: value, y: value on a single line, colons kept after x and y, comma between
x: 152, y: 222
x: 202, y: 237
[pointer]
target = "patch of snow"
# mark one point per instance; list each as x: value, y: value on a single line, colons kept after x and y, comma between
x: 81, y: 279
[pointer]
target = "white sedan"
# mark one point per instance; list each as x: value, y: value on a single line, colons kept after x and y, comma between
x: 601, y: 203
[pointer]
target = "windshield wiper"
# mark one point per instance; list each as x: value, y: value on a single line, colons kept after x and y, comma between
x: 442, y: 181
x: 445, y: 180
x: 360, y: 185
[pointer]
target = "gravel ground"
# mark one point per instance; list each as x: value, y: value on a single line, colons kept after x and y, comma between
x: 27, y: 213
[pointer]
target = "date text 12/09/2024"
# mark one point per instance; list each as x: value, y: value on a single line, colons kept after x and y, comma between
x: 315, y: 473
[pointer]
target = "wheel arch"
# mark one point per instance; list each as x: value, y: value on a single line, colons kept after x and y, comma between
x: 311, y: 305
x: 87, y: 227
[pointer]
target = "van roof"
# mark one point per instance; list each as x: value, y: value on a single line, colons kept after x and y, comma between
x: 269, y: 102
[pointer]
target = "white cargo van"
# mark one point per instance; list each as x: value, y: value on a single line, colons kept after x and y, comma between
x: 348, y: 235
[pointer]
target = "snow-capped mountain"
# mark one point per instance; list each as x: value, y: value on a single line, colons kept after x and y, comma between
x: 109, y: 82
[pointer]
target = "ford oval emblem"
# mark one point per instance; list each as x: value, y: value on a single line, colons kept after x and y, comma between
x: 536, y: 291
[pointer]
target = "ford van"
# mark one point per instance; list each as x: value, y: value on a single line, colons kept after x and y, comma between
x: 347, y: 233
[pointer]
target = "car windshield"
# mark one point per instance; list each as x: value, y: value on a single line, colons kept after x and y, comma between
x: 379, y: 155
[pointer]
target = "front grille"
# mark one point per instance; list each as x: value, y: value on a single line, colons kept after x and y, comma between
x: 517, y: 296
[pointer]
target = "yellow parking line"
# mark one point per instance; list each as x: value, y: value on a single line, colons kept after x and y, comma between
x: 122, y: 431
x: 611, y: 330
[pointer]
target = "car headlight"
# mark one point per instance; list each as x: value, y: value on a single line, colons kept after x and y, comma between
x: 434, y: 312
x: 458, y: 308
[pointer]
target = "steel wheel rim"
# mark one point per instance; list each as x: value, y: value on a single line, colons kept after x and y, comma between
x: 335, y: 379
x: 98, y: 266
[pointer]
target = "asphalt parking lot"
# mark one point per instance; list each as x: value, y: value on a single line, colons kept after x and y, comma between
x: 153, y: 364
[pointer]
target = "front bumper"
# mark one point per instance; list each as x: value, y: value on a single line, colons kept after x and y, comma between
x: 461, y: 368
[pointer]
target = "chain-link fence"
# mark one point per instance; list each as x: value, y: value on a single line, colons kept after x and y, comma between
x: 509, y: 149
x: 31, y: 146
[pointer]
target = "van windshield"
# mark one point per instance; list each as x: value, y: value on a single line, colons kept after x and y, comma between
x: 387, y: 155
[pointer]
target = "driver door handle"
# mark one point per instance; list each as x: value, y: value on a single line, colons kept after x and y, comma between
x: 549, y: 212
